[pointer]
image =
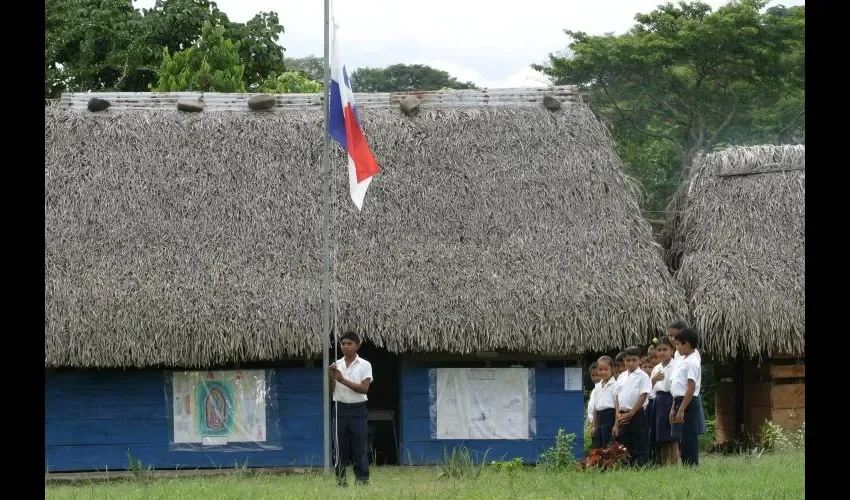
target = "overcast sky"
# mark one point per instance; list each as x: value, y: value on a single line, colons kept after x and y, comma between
x: 489, y: 42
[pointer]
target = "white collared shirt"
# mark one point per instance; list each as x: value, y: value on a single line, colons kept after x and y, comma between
x: 687, y: 368
x: 605, y: 394
x: 590, y: 405
x: 655, y: 370
x: 631, y: 387
x: 357, y: 372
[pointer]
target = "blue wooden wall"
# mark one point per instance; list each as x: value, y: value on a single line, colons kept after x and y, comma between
x: 93, y: 418
x: 554, y: 408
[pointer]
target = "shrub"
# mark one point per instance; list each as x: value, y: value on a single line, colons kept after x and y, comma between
x: 560, y: 456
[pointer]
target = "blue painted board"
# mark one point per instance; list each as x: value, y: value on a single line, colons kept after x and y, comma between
x: 554, y: 408
x: 93, y: 418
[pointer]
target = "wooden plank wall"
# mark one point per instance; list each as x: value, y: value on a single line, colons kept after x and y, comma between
x: 554, y: 408
x: 775, y: 391
x: 92, y: 419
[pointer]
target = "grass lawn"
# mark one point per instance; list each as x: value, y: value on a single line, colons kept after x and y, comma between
x: 767, y: 476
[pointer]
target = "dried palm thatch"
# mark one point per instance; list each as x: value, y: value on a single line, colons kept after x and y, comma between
x: 194, y: 240
x: 736, y: 237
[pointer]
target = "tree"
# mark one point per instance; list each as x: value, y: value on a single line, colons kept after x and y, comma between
x: 95, y: 45
x: 259, y: 49
x: 290, y: 82
x: 404, y: 77
x: 694, y: 78
x: 210, y: 65
x: 176, y: 24
x: 311, y: 66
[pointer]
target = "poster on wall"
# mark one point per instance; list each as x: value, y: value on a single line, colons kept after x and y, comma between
x: 572, y: 378
x: 482, y: 403
x: 216, y: 408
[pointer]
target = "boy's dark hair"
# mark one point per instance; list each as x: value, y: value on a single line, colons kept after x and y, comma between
x: 644, y: 359
x: 352, y: 336
x: 678, y: 325
x: 619, y: 357
x: 594, y: 366
x: 632, y: 351
x: 666, y: 341
x: 606, y: 359
x: 688, y: 336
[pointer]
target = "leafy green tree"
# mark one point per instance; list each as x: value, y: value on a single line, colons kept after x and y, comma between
x: 290, y: 82
x: 176, y: 24
x: 259, y: 49
x: 404, y: 77
x: 694, y: 78
x: 312, y: 67
x: 95, y: 45
x: 211, y: 65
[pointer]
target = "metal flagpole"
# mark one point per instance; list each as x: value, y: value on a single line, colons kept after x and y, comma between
x: 326, y: 236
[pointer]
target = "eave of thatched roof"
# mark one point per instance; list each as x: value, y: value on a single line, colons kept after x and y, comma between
x: 736, y: 237
x: 194, y: 239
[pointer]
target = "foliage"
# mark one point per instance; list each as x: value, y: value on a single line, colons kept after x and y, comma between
x: 560, y: 457
x: 773, y: 437
x: 95, y: 45
x: 686, y: 79
x: 289, y: 82
x: 460, y: 464
x: 259, y: 49
x: 404, y: 77
x: 108, y: 45
x: 211, y: 65
x: 610, y: 458
x: 312, y: 67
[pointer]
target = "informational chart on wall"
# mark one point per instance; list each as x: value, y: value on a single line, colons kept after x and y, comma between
x: 218, y: 408
x: 482, y: 403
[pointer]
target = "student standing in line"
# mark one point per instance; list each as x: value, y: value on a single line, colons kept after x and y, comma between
x: 666, y: 441
x: 630, y: 395
x: 594, y: 378
x: 603, y: 404
x: 685, y: 386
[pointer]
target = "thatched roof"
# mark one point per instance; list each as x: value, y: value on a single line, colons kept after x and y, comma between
x: 193, y: 239
x: 736, y: 236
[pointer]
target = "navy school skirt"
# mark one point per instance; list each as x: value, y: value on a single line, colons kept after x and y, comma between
x: 650, y: 420
x: 604, y: 428
x: 664, y: 431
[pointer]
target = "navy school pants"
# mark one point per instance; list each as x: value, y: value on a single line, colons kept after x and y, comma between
x: 690, y: 431
x: 350, y: 434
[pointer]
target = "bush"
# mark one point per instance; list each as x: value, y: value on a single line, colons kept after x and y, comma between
x: 560, y: 456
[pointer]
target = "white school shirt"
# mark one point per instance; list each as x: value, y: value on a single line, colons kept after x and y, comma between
x: 590, y: 405
x: 687, y: 368
x: 357, y: 372
x: 631, y: 387
x: 655, y: 370
x: 605, y: 394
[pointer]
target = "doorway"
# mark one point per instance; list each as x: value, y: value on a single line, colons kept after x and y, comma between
x: 384, y: 404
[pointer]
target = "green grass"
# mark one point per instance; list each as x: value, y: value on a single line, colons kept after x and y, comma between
x: 779, y: 475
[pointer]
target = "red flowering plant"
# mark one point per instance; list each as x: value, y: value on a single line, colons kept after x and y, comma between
x: 612, y: 457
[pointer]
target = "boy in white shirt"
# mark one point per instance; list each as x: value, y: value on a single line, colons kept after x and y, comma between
x: 673, y: 330
x: 603, y: 404
x: 631, y: 428
x: 684, y: 387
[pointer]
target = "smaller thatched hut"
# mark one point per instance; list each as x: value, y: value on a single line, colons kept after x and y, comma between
x: 736, y: 242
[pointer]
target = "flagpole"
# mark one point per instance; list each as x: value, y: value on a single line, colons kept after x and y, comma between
x: 326, y: 264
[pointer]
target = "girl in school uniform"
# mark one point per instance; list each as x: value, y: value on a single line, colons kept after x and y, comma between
x: 594, y: 378
x: 603, y: 409
x: 664, y: 437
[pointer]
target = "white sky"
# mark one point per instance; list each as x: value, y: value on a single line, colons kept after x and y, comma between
x: 488, y: 42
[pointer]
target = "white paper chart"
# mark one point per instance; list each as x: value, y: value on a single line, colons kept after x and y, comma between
x: 572, y: 378
x: 482, y: 403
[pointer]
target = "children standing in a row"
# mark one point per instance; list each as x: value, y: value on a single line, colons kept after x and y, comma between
x: 660, y: 410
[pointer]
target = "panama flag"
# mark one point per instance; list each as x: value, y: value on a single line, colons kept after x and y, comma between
x: 344, y: 128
